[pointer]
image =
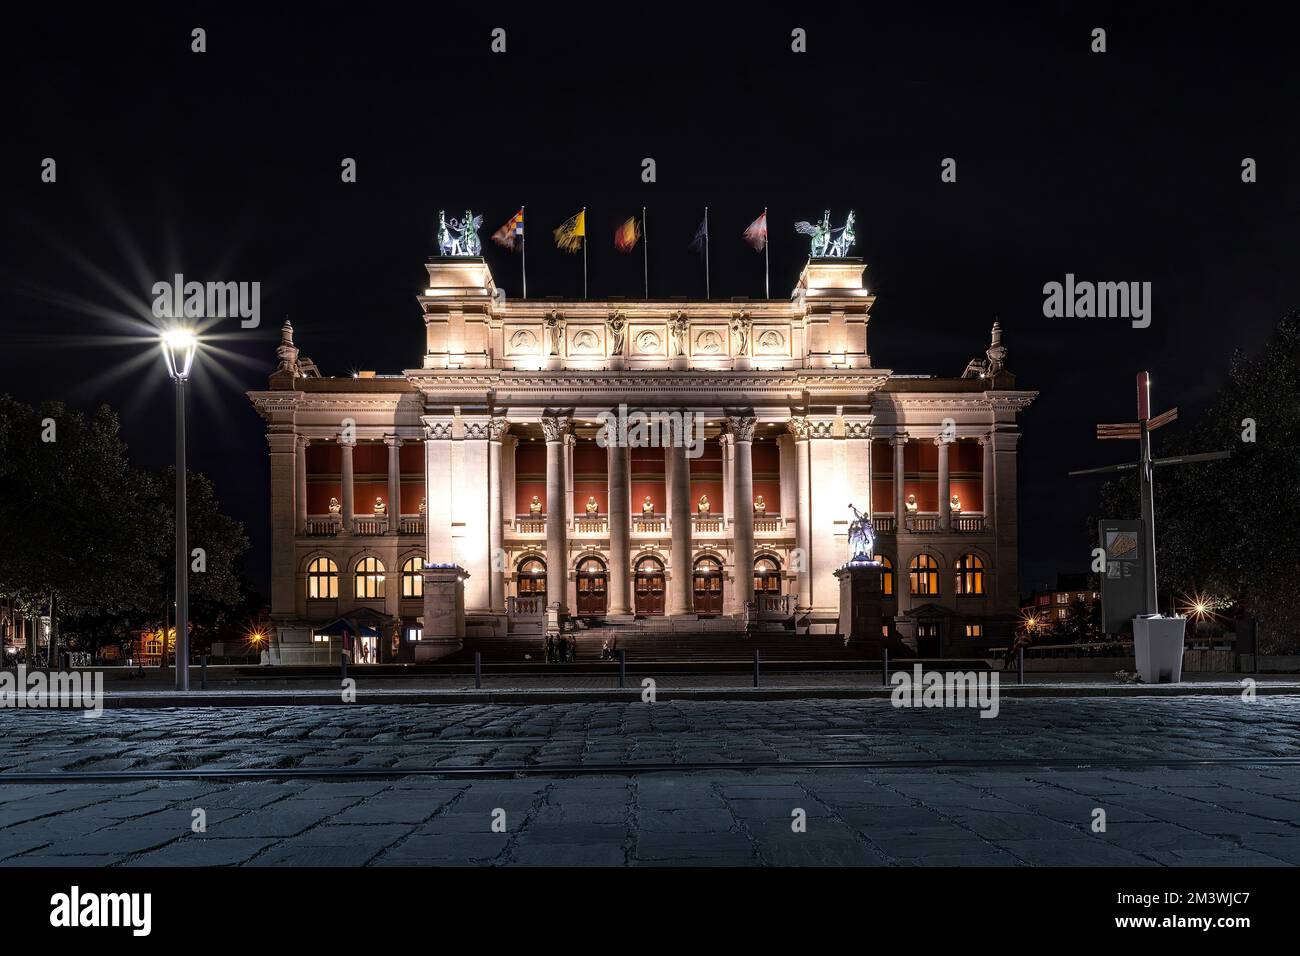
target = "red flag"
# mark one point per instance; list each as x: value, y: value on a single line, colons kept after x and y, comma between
x: 756, y: 234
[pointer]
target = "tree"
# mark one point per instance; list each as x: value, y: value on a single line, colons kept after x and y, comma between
x: 1232, y: 528
x: 73, y: 513
x: 86, y: 530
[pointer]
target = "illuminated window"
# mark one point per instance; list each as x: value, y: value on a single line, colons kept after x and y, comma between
x: 886, y: 575
x: 414, y: 633
x: 322, y: 579
x: 970, y: 574
x: 413, y: 577
x: 320, y: 638
x: 924, y: 574
x: 369, y: 579
x: 767, y: 576
x: 974, y: 630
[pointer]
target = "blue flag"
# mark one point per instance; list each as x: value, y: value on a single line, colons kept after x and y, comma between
x: 701, y: 237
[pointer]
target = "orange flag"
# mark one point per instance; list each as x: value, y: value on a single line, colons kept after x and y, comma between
x: 626, y: 235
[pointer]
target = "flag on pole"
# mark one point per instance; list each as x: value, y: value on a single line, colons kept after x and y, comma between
x: 756, y: 234
x: 514, y: 229
x: 626, y: 235
x: 701, y: 236
x: 570, y: 235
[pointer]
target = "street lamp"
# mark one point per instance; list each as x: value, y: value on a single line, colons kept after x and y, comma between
x: 179, y: 346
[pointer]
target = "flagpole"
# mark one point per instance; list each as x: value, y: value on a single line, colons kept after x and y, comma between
x: 645, y: 252
x: 706, y: 252
x: 767, y: 244
x: 584, y: 252
x: 523, y: 250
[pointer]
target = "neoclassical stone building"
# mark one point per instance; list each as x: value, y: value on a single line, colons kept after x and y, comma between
x: 490, y: 456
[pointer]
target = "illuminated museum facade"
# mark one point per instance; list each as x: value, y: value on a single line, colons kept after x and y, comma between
x: 493, y: 456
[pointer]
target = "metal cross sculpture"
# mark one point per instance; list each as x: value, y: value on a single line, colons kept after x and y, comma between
x: 1141, y: 431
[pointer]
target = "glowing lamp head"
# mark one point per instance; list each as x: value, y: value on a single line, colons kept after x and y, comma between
x: 179, y: 346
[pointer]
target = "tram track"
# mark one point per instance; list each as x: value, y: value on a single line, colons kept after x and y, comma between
x: 630, y: 769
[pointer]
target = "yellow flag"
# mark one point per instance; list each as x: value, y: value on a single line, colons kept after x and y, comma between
x: 570, y: 235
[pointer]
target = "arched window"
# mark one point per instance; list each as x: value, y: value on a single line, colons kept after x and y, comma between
x: 369, y: 579
x: 413, y: 577
x: 970, y: 574
x: 531, y: 578
x: 924, y: 574
x: 886, y: 575
x: 767, y: 576
x: 322, y: 580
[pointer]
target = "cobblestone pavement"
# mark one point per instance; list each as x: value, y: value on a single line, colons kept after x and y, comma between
x: 1239, y: 814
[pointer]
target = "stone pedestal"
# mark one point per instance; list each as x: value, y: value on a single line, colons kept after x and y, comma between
x: 444, y: 612
x: 861, y: 597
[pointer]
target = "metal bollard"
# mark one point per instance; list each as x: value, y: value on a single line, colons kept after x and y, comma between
x: 1020, y: 666
x: 755, y: 667
x: 203, y: 672
x: 884, y: 669
x: 622, y: 666
x: 478, y: 670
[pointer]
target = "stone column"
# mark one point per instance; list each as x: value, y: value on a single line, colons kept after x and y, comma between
x: 496, y: 528
x: 508, y: 445
x: 571, y: 514
x: 802, y: 433
x: 986, y: 449
x: 742, y: 430
x: 394, y: 483
x: 437, y: 491
x: 945, y: 485
x: 300, y: 482
x: 349, y: 509
x: 899, y: 442
x: 620, y: 521
x: 679, y: 496
x: 728, y: 494
x: 789, y: 472
x: 284, y: 577
x: 556, y: 429
x: 1005, y: 522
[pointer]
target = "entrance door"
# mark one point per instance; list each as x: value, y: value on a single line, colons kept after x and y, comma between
x: 649, y: 586
x: 592, y: 587
x: 708, y: 586
x: 927, y: 640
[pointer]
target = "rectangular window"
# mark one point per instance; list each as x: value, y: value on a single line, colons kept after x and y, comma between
x: 320, y: 638
x: 974, y: 630
x: 414, y: 633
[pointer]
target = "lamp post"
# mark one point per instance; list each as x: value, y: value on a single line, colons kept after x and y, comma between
x: 179, y: 346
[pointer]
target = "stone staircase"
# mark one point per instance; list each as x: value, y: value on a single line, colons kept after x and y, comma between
x: 707, y: 640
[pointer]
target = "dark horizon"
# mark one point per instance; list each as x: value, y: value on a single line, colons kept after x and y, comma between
x: 1122, y: 166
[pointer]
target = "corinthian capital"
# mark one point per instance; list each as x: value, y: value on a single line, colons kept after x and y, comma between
x: 800, y: 428
x: 555, y: 427
x: 741, y: 427
x: 497, y: 428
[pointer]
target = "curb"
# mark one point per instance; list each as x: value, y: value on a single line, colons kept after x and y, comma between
x: 120, y: 701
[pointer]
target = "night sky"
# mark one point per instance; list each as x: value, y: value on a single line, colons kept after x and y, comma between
x: 1123, y: 166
